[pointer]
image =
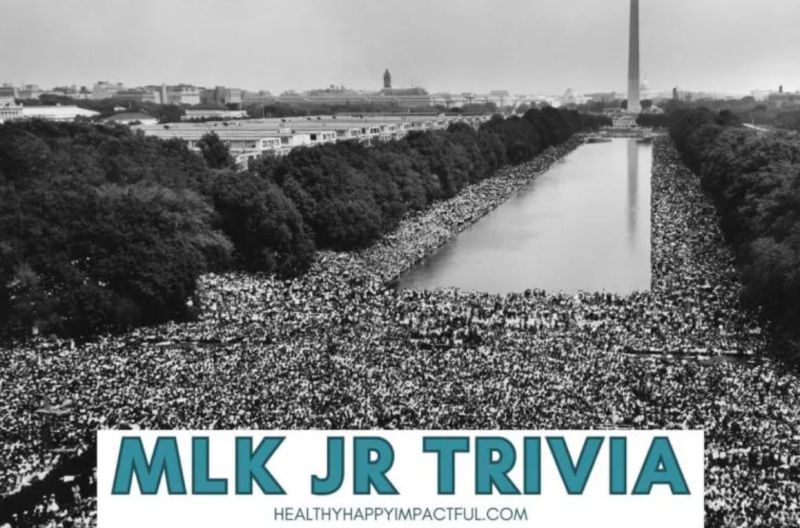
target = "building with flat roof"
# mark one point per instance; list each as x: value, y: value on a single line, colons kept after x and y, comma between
x: 132, y: 118
x: 9, y: 109
x: 221, y: 96
x: 501, y: 98
x: 251, y: 138
x: 181, y: 94
x: 244, y: 145
x: 781, y: 98
x: 138, y: 95
x: 57, y: 113
x: 8, y: 91
x: 29, y: 91
x: 105, y: 90
x: 207, y: 115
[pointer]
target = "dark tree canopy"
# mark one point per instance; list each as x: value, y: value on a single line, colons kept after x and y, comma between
x: 350, y: 195
x: 754, y: 179
x: 215, y: 152
x: 264, y: 225
x: 104, y: 229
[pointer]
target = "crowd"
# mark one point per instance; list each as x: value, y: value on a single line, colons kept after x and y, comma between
x: 341, y: 347
x: 81, y: 513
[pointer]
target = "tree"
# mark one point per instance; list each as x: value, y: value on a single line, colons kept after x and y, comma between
x: 103, y: 259
x: 169, y: 113
x: 103, y: 229
x: 754, y: 181
x: 267, y: 231
x: 215, y: 152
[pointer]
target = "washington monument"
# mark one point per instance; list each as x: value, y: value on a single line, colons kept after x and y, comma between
x: 634, y: 105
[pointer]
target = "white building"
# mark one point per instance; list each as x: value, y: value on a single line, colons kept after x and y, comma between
x: 9, y: 109
x: 57, y: 113
x: 244, y: 145
x: 500, y: 98
x: 200, y: 115
x: 105, y: 89
x: 182, y: 94
x: 132, y: 118
x: 250, y: 138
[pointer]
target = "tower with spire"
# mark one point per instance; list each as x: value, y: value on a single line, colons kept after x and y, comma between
x: 387, y: 80
x: 634, y: 104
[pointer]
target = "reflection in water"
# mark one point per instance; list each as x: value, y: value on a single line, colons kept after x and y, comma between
x: 582, y: 225
x: 633, y: 193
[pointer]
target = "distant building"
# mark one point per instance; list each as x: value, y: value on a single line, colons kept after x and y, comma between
x: 139, y: 95
x: 161, y: 93
x: 181, y: 94
x: 387, y: 80
x: 8, y: 91
x: 602, y: 97
x: 221, y: 95
x: 333, y: 95
x: 57, y: 113
x: 644, y: 90
x: 69, y: 91
x: 244, y: 145
x: 9, y: 109
x: 571, y: 98
x: 501, y: 98
x: 205, y: 115
x: 783, y: 98
x: 132, y: 118
x: 105, y: 90
x: 448, y: 100
x: 251, y: 138
x: 403, y: 97
x: 262, y: 97
x: 455, y: 100
x: 29, y: 91
x: 622, y: 120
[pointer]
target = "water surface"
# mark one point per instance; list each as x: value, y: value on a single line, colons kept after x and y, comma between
x: 582, y: 225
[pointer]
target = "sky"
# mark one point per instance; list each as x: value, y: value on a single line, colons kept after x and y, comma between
x: 525, y: 46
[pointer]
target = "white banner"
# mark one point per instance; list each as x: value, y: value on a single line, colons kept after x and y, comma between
x: 442, y: 479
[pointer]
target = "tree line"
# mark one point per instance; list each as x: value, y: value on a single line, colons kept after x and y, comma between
x: 746, y: 110
x: 299, y: 109
x: 105, y: 228
x: 165, y: 113
x: 754, y: 180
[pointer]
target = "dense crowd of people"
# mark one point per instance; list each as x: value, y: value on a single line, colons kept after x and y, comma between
x: 341, y: 347
x: 81, y: 513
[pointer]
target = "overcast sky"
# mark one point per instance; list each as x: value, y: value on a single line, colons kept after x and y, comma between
x: 526, y: 46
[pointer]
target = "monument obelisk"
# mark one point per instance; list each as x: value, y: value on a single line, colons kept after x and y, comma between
x: 634, y: 105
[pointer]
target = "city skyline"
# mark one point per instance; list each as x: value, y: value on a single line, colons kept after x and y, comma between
x: 540, y: 46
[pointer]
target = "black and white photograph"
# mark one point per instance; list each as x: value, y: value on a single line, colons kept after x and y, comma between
x: 402, y: 215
